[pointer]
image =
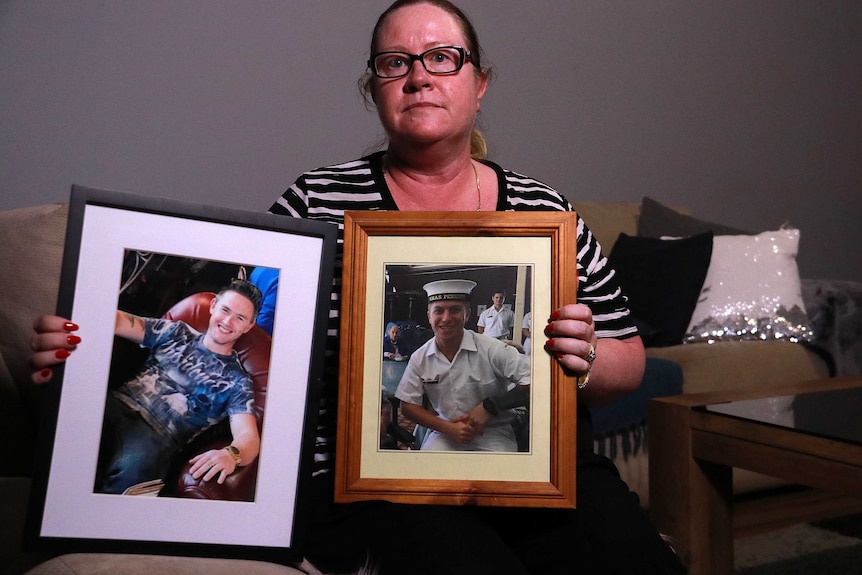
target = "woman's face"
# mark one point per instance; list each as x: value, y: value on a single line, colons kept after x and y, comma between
x: 422, y: 108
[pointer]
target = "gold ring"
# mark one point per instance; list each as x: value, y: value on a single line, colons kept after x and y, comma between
x: 591, y: 355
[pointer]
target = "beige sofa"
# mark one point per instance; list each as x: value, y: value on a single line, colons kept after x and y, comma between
x: 705, y: 367
x: 31, y: 246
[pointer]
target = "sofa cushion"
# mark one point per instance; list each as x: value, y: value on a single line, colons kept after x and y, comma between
x: 607, y: 220
x: 123, y: 564
x: 663, y: 280
x: 742, y: 364
x: 835, y: 310
x: 17, y: 428
x: 657, y: 220
x: 14, y: 496
x: 32, y: 251
x: 662, y: 377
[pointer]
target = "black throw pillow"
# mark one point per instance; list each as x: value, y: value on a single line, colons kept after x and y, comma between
x: 662, y: 279
x: 657, y: 220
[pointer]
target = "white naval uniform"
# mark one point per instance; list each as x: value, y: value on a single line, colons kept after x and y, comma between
x: 497, y: 324
x: 528, y: 324
x: 482, y: 367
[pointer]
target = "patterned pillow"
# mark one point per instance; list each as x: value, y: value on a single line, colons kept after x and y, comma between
x: 751, y: 291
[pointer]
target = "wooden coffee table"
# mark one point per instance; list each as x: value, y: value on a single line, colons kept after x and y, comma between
x: 696, y: 440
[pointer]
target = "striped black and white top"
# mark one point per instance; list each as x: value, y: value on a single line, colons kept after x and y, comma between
x: 326, y: 193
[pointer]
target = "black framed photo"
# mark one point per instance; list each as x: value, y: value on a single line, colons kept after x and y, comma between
x: 179, y: 308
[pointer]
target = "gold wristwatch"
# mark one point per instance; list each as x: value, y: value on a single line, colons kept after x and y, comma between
x: 234, y: 452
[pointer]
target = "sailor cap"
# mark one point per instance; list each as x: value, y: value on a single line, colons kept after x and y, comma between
x: 449, y: 290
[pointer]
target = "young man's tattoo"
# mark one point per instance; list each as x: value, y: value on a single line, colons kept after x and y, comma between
x: 133, y: 319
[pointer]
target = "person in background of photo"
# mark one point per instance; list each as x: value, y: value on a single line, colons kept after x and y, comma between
x: 190, y: 382
x: 527, y: 333
x: 472, y: 383
x: 266, y: 280
x: 497, y: 321
x: 391, y: 349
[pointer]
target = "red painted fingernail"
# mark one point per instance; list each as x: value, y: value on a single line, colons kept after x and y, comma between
x: 550, y: 342
x: 46, y: 372
x: 73, y: 340
x: 62, y: 353
x: 555, y: 315
x: 549, y: 329
x: 69, y: 326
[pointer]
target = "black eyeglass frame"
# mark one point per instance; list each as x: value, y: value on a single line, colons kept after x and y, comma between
x: 465, y: 56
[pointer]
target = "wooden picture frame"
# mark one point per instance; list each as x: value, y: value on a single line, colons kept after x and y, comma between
x: 106, y: 232
x: 542, y: 477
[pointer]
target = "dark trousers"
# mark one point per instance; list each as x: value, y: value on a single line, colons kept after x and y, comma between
x: 608, y: 533
x: 131, y: 451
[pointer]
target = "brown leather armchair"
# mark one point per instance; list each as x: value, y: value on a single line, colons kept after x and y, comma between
x: 253, y: 350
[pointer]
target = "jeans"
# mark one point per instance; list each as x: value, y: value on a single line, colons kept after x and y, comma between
x: 131, y: 451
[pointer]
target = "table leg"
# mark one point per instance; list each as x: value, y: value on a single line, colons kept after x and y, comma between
x: 690, y: 500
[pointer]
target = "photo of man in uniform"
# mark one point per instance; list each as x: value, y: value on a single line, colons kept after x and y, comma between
x: 471, y: 382
x: 497, y: 321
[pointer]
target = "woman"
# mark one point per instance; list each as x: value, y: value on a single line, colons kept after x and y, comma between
x: 426, y: 79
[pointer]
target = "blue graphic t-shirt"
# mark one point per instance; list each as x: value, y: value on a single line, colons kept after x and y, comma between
x: 184, y: 388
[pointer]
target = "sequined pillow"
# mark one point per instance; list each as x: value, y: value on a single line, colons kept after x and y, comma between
x: 751, y: 291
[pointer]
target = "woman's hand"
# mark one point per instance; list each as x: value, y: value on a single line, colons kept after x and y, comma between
x: 573, y: 339
x: 52, y: 343
x: 617, y: 365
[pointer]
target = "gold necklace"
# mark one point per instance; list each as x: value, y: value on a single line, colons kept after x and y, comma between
x: 386, y: 176
x: 478, y: 187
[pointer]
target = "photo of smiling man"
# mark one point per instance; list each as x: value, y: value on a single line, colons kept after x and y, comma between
x: 189, y: 382
x: 471, y: 382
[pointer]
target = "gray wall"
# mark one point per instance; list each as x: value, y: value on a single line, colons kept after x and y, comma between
x: 749, y: 112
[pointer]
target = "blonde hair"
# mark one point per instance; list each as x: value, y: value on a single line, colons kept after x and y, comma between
x: 478, y: 145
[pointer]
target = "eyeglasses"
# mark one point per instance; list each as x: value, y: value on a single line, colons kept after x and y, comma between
x: 437, y: 61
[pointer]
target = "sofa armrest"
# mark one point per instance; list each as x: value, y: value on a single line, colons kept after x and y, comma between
x: 835, y: 310
x: 239, y: 486
x: 32, y: 242
x: 725, y: 365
